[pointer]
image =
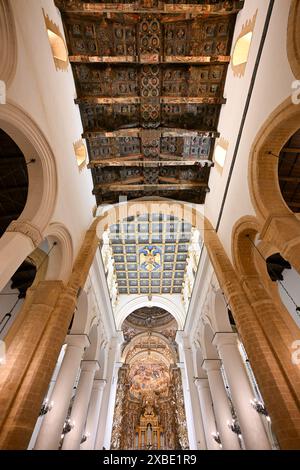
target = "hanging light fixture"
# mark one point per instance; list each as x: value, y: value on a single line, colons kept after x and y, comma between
x: 297, y: 307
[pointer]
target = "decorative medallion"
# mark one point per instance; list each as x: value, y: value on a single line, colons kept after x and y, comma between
x: 150, y: 258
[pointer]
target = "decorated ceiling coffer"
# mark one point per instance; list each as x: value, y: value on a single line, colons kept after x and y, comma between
x: 150, y: 78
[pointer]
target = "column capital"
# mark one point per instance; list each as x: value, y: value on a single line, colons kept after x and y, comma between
x: 79, y: 341
x: 225, y: 338
x: 99, y: 384
x: 28, y: 229
x: 91, y: 366
x: 201, y: 383
x: 211, y: 364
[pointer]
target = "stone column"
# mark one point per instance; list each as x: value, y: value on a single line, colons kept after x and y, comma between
x: 20, y: 353
x: 51, y: 428
x: 93, y: 414
x: 108, y: 401
x: 274, y: 376
x: 252, y: 428
x: 33, y: 352
x: 207, y: 412
x: 192, y: 407
x: 80, y: 406
x: 221, y: 404
x: 19, y: 240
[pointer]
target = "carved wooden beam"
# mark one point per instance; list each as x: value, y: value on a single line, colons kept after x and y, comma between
x: 108, y: 100
x: 192, y: 100
x: 137, y: 132
x: 184, y: 59
x: 162, y: 100
x: 147, y: 163
x: 227, y: 7
x: 103, y: 59
x: 172, y: 180
x: 119, y: 187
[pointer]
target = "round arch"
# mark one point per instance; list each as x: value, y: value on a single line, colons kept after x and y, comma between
x: 249, y: 263
x: 277, y: 223
x: 8, y: 41
x: 140, y: 336
x: 61, y: 259
x: 182, y: 210
x: 209, y: 351
x: 27, y: 232
x: 293, y: 38
x: 42, y: 173
x: 168, y: 304
x: 154, y: 354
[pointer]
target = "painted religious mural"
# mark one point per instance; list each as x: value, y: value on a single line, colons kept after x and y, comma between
x: 149, y: 411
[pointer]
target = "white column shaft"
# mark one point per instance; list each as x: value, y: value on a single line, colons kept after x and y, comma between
x: 221, y: 405
x: 252, y: 428
x: 14, y: 249
x: 196, y: 417
x: 207, y: 412
x: 80, y: 406
x: 51, y: 428
x: 108, y: 401
x: 93, y: 414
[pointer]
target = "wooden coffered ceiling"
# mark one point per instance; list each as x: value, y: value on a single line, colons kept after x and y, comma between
x: 150, y: 77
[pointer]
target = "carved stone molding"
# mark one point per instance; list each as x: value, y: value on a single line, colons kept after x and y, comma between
x: 8, y: 41
x: 293, y: 38
x: 26, y: 228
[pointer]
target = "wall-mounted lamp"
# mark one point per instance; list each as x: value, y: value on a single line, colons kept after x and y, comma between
x: 68, y: 426
x: 85, y: 437
x: 260, y: 408
x: 46, y: 406
x: 217, y: 438
x: 235, y: 427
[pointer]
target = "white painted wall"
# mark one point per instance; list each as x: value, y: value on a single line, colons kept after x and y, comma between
x: 272, y: 87
x: 47, y: 95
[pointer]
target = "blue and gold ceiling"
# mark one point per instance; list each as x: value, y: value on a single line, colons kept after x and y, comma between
x: 150, y: 254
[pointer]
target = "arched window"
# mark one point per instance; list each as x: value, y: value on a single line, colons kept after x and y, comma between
x: 242, y: 48
x: 57, y: 44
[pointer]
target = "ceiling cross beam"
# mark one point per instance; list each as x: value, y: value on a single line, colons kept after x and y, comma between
x: 227, y: 7
x: 114, y: 162
x: 125, y: 187
x: 182, y: 59
x: 138, y: 131
x: 137, y: 100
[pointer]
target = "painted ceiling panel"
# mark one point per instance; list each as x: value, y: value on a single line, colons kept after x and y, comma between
x: 150, y: 254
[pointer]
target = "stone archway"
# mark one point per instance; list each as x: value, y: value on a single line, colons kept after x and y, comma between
x: 293, y: 38
x: 277, y: 223
x: 8, y: 41
x: 26, y: 233
x: 267, y: 325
